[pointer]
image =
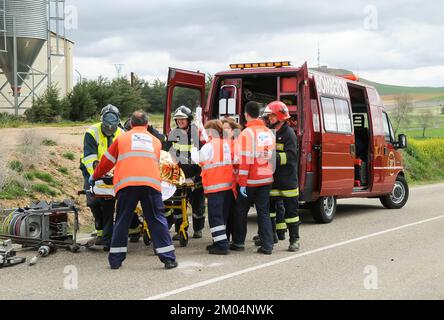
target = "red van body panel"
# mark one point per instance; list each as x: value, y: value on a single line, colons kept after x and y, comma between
x: 327, y: 158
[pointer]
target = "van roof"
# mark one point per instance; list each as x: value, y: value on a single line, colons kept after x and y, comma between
x: 282, y: 70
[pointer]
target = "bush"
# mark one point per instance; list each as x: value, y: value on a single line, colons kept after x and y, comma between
x: 49, y: 143
x: 62, y: 170
x: 79, y: 104
x: 69, y: 156
x: 16, y: 166
x: 424, y: 160
x: 48, y: 108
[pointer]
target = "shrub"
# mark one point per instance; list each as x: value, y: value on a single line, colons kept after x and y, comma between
x: 69, y: 156
x: 16, y: 166
x: 62, y: 170
x: 49, y: 142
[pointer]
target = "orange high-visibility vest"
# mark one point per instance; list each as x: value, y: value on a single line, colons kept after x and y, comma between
x: 137, y: 162
x: 256, y: 146
x: 217, y: 174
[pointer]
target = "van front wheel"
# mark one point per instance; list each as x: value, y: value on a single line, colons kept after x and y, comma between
x: 399, y: 196
x: 324, y: 209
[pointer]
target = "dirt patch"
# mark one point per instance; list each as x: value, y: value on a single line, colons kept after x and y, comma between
x: 25, y: 145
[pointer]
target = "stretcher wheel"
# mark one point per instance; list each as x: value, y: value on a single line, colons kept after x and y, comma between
x: 146, y: 239
x: 134, y: 238
x: 183, y: 239
x: 74, y: 248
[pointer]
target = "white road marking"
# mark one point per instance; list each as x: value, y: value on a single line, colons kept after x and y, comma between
x: 272, y: 263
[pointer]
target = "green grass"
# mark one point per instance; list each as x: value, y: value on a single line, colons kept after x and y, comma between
x: 69, y: 156
x: 429, y: 133
x: 49, y: 143
x: 44, y: 189
x: 13, y: 190
x: 11, y: 121
x: 16, y: 166
x: 43, y: 176
x: 63, y: 170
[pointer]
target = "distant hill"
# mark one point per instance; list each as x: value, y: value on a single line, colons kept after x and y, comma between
x: 424, y: 93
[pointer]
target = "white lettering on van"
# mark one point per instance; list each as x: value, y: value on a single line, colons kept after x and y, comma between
x: 330, y: 85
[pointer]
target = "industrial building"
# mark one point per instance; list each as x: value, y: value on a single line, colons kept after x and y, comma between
x: 27, y: 63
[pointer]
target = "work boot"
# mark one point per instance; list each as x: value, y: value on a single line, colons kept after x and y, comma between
x: 294, y: 245
x: 263, y: 251
x: 217, y: 250
x: 134, y: 238
x: 170, y: 264
x: 106, y: 248
x: 176, y: 237
x: 234, y: 247
x: 99, y: 241
x: 197, y: 234
x: 256, y: 237
x: 281, y: 234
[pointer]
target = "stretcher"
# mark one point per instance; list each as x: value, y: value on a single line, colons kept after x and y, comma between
x: 174, y: 196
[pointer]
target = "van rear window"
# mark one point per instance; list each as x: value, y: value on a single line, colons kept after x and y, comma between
x: 337, y: 115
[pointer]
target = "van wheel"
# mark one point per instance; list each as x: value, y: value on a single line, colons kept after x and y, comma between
x: 324, y: 209
x: 399, y: 196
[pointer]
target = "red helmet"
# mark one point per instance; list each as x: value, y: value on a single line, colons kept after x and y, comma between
x: 279, y: 109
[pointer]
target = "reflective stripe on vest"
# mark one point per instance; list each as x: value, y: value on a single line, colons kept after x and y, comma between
x: 279, y: 146
x: 182, y: 147
x: 137, y: 154
x: 137, y: 179
x: 218, y: 186
x: 102, y: 145
x: 216, y: 165
x: 284, y: 193
x: 267, y: 180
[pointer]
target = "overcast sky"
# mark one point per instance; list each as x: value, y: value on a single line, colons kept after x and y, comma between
x: 393, y: 42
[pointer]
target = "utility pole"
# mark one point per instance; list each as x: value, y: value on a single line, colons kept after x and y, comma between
x: 119, y: 68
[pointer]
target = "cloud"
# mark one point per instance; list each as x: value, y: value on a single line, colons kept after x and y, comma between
x: 149, y: 36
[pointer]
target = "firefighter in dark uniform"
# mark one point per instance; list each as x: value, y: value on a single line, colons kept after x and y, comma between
x: 180, y: 142
x: 285, y: 186
x: 96, y: 141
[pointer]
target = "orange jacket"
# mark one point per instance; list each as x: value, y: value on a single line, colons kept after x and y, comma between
x: 135, y: 155
x: 256, y: 145
x: 217, y: 173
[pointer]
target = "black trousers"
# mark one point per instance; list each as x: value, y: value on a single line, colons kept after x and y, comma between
x: 260, y: 197
x: 103, y: 213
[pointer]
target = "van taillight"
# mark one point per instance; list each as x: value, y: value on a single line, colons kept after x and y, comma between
x: 309, y: 162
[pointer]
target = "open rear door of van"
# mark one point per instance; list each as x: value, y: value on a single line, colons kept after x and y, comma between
x: 338, y: 141
x: 184, y: 79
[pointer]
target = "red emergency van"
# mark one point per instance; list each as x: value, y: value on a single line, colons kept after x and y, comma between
x: 346, y: 142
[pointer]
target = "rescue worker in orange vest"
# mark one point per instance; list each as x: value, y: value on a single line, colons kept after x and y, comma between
x: 216, y: 160
x: 285, y: 186
x: 136, y: 155
x: 256, y: 146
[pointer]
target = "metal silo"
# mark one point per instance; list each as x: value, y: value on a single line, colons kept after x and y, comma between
x: 27, y: 22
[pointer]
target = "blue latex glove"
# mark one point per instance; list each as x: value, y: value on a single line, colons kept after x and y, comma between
x: 91, y: 180
x: 243, y: 192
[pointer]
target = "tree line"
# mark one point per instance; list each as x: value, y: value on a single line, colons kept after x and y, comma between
x: 88, y: 97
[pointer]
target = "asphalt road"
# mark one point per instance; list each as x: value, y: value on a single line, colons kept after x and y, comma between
x: 368, y: 252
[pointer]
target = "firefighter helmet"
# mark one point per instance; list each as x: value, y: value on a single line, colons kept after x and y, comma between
x: 110, y: 109
x: 279, y: 109
x: 110, y: 117
x: 183, y: 112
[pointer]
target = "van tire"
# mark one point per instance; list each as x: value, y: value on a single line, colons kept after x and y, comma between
x: 399, y: 196
x: 324, y: 209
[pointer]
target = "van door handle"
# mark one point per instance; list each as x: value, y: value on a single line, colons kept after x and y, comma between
x: 385, y: 151
x: 352, y: 149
